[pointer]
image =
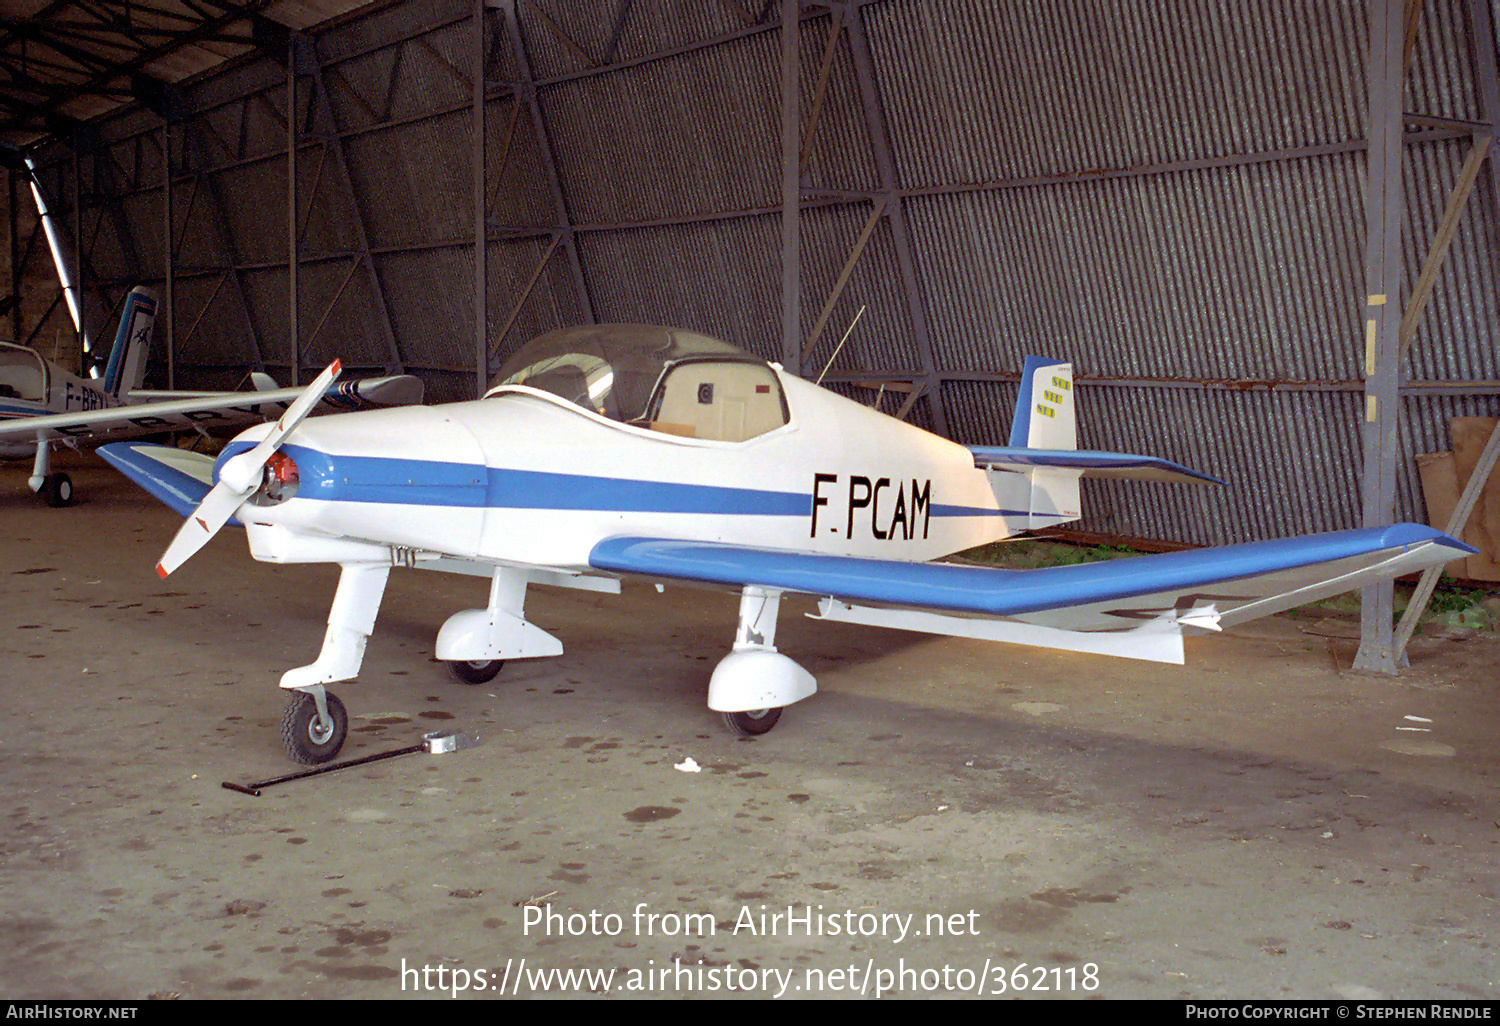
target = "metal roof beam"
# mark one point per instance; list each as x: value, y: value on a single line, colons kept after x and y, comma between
x: 100, y: 73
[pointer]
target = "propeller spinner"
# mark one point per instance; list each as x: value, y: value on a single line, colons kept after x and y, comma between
x: 239, y: 477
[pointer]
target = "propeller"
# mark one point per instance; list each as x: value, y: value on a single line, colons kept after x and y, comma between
x: 239, y: 477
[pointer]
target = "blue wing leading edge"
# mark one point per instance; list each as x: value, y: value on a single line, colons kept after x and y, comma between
x: 1111, y: 595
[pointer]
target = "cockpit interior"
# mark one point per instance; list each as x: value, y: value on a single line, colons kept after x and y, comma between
x: 664, y: 379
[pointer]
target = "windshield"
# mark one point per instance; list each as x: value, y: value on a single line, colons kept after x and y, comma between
x: 614, y: 369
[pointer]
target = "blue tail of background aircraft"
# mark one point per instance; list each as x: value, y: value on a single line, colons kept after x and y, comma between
x: 126, y: 369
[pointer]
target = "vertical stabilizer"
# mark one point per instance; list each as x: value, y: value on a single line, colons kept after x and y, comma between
x: 127, y: 359
x: 1044, y: 408
x: 1045, y: 419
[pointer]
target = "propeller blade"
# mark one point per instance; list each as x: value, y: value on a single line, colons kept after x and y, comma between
x: 239, y: 477
x: 243, y: 471
x: 212, y: 513
x: 303, y: 404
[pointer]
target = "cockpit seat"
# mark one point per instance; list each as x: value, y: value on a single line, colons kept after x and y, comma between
x: 722, y: 400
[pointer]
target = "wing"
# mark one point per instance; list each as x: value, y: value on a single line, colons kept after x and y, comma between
x: 1140, y: 597
x: 178, y: 478
x: 220, y: 409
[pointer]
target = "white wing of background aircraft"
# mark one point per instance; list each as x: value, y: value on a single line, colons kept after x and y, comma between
x: 42, y: 405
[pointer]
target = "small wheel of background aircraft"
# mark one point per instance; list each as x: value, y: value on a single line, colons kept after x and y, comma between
x: 57, y: 489
x: 614, y: 451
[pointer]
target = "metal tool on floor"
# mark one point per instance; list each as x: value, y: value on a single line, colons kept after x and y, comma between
x: 437, y: 742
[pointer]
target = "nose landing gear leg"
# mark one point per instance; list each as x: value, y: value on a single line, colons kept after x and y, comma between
x: 315, y: 724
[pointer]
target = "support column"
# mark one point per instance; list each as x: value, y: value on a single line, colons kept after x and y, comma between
x: 477, y: 166
x: 291, y: 205
x: 78, y: 283
x: 885, y: 168
x: 791, y: 187
x: 15, y: 258
x: 333, y: 144
x: 1384, y: 206
x: 205, y: 182
x: 168, y: 310
x: 526, y: 91
x: 1481, y: 25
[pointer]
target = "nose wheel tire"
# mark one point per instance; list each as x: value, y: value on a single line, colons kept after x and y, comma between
x: 752, y: 722
x: 476, y: 671
x: 307, y: 740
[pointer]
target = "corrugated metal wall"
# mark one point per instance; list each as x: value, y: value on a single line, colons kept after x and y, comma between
x: 1167, y: 193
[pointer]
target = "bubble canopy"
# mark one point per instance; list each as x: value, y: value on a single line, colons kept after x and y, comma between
x: 620, y: 370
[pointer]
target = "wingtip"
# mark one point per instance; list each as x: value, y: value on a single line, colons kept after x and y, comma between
x: 161, y: 571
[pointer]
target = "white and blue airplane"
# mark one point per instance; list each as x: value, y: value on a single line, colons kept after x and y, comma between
x: 43, y: 405
x: 615, y: 451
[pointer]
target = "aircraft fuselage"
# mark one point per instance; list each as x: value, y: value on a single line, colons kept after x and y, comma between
x: 30, y: 387
x: 526, y: 477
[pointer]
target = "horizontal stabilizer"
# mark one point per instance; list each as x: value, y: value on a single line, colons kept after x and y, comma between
x: 1089, y: 464
x: 1206, y: 585
x: 177, y: 477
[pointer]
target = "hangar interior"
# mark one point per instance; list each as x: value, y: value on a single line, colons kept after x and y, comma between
x: 1265, y: 236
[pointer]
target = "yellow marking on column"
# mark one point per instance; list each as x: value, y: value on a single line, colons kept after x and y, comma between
x: 1372, y: 406
x: 1370, y: 348
x: 1377, y: 299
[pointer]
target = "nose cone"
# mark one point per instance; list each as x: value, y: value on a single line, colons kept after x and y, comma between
x: 242, y: 442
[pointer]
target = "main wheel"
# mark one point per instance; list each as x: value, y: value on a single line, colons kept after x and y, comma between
x: 308, y: 741
x: 57, y: 489
x: 752, y: 722
x: 476, y: 671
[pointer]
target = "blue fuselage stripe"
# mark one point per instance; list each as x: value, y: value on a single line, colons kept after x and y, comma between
x: 541, y: 490
x: 436, y: 483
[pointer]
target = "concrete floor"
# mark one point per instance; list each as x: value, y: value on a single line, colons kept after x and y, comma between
x: 1261, y: 823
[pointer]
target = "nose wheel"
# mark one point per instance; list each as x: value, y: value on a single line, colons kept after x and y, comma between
x: 309, y: 738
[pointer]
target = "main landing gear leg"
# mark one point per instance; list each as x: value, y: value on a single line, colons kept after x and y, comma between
x: 476, y: 642
x: 752, y: 684
x: 57, y: 489
x: 315, y: 723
